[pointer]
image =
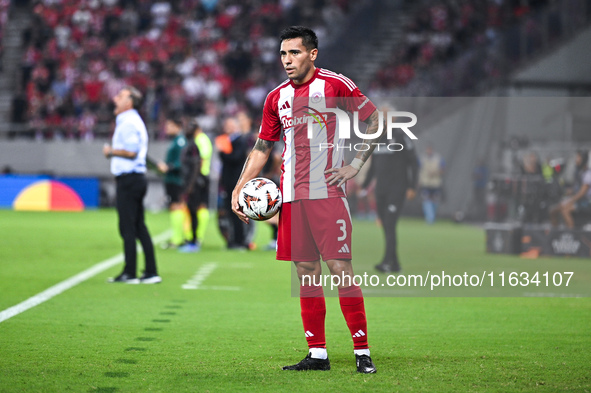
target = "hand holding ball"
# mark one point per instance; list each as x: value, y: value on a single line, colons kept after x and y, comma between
x: 260, y: 199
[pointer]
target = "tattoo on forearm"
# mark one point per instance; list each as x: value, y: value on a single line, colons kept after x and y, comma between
x: 372, y: 127
x: 260, y: 145
x: 263, y: 145
x: 243, y: 168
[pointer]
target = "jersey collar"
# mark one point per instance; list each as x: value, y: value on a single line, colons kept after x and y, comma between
x: 307, y: 83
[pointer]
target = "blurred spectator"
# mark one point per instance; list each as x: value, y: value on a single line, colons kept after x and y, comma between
x: 431, y: 182
x: 531, y: 164
x: 579, y: 200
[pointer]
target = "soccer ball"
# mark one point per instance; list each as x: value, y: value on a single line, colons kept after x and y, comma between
x: 260, y: 199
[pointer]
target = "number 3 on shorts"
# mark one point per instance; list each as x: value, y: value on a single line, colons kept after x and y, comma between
x: 343, y: 228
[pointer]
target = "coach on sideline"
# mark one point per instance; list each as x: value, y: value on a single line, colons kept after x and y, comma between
x: 128, y: 164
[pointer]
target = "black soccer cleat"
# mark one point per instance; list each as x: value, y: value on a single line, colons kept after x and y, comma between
x: 310, y: 363
x: 365, y: 365
x: 124, y: 278
x: 150, y: 279
x: 386, y: 268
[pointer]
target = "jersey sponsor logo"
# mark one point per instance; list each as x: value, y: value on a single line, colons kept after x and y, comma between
x: 318, y: 117
x: 288, y: 121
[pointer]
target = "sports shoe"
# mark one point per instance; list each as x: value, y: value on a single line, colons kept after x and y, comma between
x: 169, y: 246
x: 124, y: 278
x: 150, y: 279
x: 310, y: 363
x: 386, y: 268
x: 365, y: 365
x: 237, y: 247
x: 189, y: 248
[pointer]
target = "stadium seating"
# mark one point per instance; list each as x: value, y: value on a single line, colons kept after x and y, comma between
x: 442, y: 32
x: 209, y: 58
x: 201, y: 58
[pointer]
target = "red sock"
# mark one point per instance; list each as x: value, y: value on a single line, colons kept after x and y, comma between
x: 313, y: 314
x: 351, y: 299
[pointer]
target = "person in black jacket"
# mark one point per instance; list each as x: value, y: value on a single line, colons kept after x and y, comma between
x: 395, y: 168
x: 233, y: 149
x: 193, y: 183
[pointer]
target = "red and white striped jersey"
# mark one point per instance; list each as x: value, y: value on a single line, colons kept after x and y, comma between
x: 288, y: 108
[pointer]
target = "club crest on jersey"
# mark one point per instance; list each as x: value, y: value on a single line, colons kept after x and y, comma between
x: 316, y: 97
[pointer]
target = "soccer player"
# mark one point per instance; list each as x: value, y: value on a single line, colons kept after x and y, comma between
x: 396, y: 174
x: 314, y: 222
x: 173, y: 180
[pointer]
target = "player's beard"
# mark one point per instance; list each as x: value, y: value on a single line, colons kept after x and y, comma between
x: 299, y: 76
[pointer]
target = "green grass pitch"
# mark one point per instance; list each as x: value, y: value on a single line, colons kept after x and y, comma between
x: 236, y: 332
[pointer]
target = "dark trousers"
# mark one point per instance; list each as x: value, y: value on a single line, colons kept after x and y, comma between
x: 389, y: 206
x: 237, y: 236
x: 192, y: 206
x: 131, y: 189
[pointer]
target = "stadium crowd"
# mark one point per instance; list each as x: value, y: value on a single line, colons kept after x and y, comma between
x: 210, y: 58
x: 201, y: 58
x: 442, y: 31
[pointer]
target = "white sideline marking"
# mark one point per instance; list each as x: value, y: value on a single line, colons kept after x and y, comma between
x: 70, y: 282
x: 201, y: 275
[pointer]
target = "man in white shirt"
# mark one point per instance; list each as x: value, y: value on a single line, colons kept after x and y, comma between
x: 128, y: 165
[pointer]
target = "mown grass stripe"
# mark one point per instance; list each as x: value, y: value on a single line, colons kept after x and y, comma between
x: 70, y: 282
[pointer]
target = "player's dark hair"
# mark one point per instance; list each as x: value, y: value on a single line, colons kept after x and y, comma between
x: 192, y: 127
x: 309, y: 38
x: 176, y: 119
x: 135, y: 95
x: 584, y: 158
